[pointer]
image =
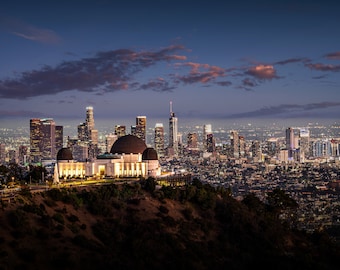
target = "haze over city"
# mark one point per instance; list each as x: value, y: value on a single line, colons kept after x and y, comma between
x: 232, y: 61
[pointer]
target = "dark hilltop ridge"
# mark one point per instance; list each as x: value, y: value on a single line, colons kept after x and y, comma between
x: 138, y: 226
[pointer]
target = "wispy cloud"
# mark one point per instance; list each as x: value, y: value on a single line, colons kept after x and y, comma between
x: 29, y: 32
x: 323, y: 67
x: 158, y: 84
x: 17, y: 113
x: 291, y: 60
x: 286, y: 110
x: 333, y: 56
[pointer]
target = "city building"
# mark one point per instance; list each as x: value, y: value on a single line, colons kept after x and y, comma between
x: 173, y: 133
x: 88, y: 135
x: 2, y: 153
x: 235, y: 144
x: 59, y: 140
x: 120, y: 131
x: 207, y: 130
x: 290, y: 142
x: 211, y: 148
x: 109, y: 141
x: 192, y: 141
x: 304, y: 143
x: 43, y: 139
x: 159, y: 139
x: 140, y: 128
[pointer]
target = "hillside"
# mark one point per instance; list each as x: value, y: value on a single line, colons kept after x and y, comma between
x: 134, y: 226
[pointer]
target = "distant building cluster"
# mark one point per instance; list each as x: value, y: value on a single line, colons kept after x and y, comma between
x: 91, y: 155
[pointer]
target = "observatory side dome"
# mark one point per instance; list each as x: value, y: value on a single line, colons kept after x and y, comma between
x: 64, y: 154
x: 150, y: 154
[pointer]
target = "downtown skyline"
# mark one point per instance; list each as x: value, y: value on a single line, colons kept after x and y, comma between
x: 237, y: 61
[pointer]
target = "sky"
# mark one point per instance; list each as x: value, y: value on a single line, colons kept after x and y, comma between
x: 239, y: 60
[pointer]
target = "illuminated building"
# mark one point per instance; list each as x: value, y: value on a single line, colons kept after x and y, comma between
x: 304, y: 143
x: 290, y: 141
x: 192, y: 141
x: 88, y: 135
x: 43, y: 139
x: 129, y: 157
x: 110, y: 140
x: 173, y: 133
x: 140, y: 128
x: 211, y: 148
x: 207, y: 130
x: 120, y: 131
x: 235, y: 144
x: 159, y: 139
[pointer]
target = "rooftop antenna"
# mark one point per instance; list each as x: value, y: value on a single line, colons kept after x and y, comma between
x: 170, y: 106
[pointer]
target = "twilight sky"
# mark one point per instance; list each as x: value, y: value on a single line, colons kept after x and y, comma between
x: 213, y: 59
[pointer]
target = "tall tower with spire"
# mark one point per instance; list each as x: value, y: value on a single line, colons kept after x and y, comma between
x: 173, y: 132
x: 87, y: 135
x: 89, y: 123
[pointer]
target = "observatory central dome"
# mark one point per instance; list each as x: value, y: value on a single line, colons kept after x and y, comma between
x: 128, y: 144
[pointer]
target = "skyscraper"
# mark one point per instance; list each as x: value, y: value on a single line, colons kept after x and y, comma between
x: 59, y: 141
x: 89, y: 122
x: 159, y: 139
x: 255, y: 150
x: 42, y: 139
x: 290, y: 138
x: 109, y: 141
x: 235, y: 144
x: 2, y: 153
x: 22, y: 154
x: 304, y: 143
x: 120, y: 131
x: 87, y: 135
x: 173, y: 132
x: 140, y: 129
x: 192, y: 141
x: 211, y: 148
x: 290, y: 142
x: 92, y: 133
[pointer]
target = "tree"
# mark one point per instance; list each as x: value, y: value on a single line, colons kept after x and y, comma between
x: 149, y: 184
x: 281, y: 205
x: 254, y: 203
x: 36, y: 173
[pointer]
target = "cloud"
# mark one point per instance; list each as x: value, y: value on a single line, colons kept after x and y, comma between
x: 224, y: 83
x: 323, y: 67
x: 158, y: 84
x: 202, y: 73
x: 333, y: 56
x: 4, y: 113
x: 105, y: 72
x: 248, y: 82
x: 262, y: 72
x: 286, y: 110
x: 291, y: 60
x: 29, y: 32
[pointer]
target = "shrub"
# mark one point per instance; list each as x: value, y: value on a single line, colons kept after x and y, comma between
x: 72, y: 218
x: 163, y: 209
x: 59, y: 218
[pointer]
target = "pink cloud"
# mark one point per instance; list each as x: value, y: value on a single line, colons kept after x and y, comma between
x: 202, y: 73
x: 333, y: 56
x: 323, y: 67
x: 262, y: 72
